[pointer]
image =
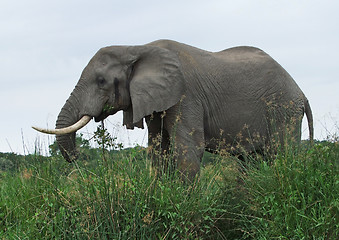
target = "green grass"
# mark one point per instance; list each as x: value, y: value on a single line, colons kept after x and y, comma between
x: 297, y: 197
x: 119, y: 196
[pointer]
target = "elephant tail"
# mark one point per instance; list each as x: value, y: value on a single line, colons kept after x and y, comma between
x: 309, y: 116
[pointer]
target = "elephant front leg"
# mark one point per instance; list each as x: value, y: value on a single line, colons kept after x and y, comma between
x: 159, y: 144
x: 188, y: 149
x: 177, y: 141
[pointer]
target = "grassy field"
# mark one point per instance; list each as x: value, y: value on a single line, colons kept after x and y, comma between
x: 111, y: 194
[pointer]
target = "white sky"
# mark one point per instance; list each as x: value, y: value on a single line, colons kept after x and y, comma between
x: 44, y: 45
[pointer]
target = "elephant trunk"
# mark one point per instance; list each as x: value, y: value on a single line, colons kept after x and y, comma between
x: 68, y: 115
x: 67, y: 124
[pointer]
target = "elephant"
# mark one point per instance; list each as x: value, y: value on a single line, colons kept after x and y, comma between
x: 192, y: 100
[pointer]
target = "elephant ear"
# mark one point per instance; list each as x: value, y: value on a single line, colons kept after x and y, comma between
x: 128, y: 120
x: 156, y: 82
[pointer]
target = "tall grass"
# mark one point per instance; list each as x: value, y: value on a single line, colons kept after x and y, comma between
x: 118, y: 195
x: 297, y: 196
x: 120, y: 198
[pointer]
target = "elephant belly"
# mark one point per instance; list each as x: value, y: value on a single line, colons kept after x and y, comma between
x: 238, y: 132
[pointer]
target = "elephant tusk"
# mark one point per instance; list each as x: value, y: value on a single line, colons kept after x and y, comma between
x: 73, y: 128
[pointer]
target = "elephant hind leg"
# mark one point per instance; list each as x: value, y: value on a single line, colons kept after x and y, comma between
x: 283, y: 136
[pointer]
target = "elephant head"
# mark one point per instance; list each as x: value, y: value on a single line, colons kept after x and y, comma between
x: 139, y: 80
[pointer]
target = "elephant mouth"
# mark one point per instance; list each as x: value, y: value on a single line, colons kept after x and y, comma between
x: 101, y: 117
x: 105, y: 113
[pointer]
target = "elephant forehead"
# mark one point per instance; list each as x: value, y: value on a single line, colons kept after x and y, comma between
x: 104, y: 60
x: 104, y: 66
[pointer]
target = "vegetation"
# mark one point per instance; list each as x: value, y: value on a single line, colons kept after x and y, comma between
x: 114, y: 193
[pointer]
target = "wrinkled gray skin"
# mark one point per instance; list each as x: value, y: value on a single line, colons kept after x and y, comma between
x: 226, y: 99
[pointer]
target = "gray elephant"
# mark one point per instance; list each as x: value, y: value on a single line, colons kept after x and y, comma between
x: 239, y: 99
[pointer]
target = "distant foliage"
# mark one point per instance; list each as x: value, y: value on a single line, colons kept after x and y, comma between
x: 6, y: 164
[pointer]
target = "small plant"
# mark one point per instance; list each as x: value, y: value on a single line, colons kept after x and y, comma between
x: 105, y: 141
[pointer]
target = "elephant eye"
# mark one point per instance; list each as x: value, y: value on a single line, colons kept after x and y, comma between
x: 101, y: 81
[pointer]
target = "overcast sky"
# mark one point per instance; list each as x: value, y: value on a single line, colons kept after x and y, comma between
x: 44, y: 45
